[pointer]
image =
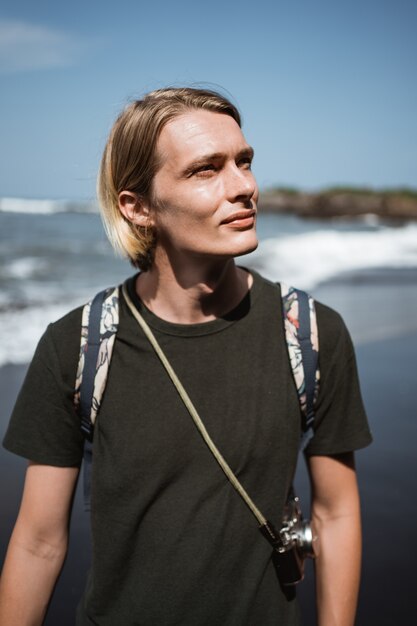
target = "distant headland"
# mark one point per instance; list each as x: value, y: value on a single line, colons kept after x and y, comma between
x: 391, y: 204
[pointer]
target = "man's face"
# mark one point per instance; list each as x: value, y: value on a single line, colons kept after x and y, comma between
x: 204, y: 192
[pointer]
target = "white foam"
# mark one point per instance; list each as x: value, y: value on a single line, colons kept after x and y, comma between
x: 22, y: 329
x: 24, y: 205
x: 45, y: 207
x: 24, y: 268
x: 308, y: 259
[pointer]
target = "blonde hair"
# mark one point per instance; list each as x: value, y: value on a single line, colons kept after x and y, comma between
x: 130, y: 161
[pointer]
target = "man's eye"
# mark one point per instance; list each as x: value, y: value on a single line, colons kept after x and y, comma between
x: 245, y: 163
x: 203, y: 169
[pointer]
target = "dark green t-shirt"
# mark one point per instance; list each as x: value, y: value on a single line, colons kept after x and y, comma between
x: 173, y: 544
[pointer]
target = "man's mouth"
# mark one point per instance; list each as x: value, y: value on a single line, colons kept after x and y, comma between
x: 241, y: 219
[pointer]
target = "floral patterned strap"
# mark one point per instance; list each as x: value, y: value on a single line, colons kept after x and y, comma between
x: 300, y: 324
x: 99, y: 326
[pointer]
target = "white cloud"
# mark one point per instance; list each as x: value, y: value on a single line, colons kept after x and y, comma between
x: 25, y: 46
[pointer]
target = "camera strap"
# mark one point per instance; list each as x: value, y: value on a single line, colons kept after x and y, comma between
x: 266, y: 528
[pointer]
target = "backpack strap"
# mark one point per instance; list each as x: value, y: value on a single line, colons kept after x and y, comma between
x: 300, y: 324
x: 100, y: 321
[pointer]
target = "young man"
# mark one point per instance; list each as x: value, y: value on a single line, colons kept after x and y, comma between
x: 172, y: 541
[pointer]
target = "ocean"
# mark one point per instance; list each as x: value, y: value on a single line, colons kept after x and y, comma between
x: 54, y: 256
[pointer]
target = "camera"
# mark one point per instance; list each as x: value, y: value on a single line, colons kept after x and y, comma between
x: 295, y: 541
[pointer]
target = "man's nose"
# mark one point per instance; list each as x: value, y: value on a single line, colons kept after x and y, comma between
x: 240, y: 183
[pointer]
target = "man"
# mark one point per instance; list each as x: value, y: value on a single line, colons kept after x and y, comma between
x: 172, y: 541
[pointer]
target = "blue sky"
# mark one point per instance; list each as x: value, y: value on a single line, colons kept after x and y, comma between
x: 328, y: 90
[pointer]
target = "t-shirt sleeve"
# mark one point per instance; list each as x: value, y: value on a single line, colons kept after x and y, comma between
x: 44, y: 426
x: 341, y: 424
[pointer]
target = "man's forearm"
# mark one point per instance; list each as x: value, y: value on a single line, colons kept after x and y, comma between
x: 28, y: 578
x: 338, y: 568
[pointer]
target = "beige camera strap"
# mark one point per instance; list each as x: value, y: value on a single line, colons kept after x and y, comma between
x: 265, y: 525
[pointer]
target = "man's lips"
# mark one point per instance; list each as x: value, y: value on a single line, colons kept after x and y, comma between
x: 240, y: 217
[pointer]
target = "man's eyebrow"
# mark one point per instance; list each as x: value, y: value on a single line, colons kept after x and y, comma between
x: 247, y: 152
x: 215, y: 156
x: 202, y: 160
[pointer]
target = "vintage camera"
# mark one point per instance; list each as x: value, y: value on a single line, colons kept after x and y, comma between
x: 294, y: 542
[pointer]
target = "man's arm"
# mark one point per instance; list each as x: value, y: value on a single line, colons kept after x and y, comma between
x: 37, y: 546
x: 336, y: 515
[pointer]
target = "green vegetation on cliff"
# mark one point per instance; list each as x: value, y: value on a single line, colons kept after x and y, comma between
x: 406, y: 192
x: 342, y: 201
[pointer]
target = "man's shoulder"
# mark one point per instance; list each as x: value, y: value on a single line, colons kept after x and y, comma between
x: 61, y: 341
x: 70, y: 323
x: 329, y: 321
x: 66, y: 326
x: 331, y: 326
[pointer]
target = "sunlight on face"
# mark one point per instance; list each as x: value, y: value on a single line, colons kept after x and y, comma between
x: 204, y: 191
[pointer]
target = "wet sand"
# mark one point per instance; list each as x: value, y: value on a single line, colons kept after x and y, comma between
x: 387, y: 475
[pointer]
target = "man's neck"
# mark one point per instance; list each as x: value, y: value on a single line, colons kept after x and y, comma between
x: 195, y: 293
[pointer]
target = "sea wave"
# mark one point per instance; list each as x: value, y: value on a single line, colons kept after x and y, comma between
x: 308, y: 259
x: 22, y: 329
x: 33, y: 296
x: 46, y: 207
x: 23, y: 269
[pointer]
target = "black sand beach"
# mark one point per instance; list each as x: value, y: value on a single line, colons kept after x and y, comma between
x: 381, y: 314
x: 387, y: 477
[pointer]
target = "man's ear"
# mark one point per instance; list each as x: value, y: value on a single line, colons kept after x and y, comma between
x: 134, y: 208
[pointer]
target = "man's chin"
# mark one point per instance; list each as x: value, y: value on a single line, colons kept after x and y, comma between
x: 248, y: 248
